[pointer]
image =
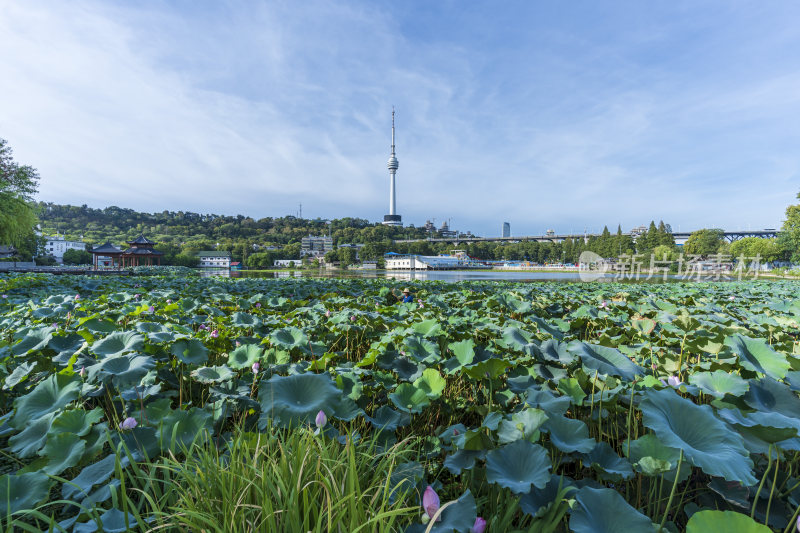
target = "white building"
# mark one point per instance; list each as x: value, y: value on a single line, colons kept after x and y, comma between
x: 315, y: 246
x: 56, y: 246
x: 213, y: 259
x: 424, y: 262
x: 288, y: 262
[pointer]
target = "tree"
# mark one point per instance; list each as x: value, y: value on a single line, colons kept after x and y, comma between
x: 790, y: 238
x: 18, y: 184
x: 77, y: 257
x: 704, y: 242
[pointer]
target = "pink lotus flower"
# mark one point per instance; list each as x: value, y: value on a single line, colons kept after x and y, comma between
x: 674, y: 381
x: 420, y: 305
x: 151, y: 309
x: 321, y: 419
x: 353, y: 318
x: 731, y: 298
x: 169, y: 301
x: 136, y: 296
x: 202, y: 326
x: 128, y: 423
x: 214, y: 334
x: 77, y: 296
x: 255, y: 367
x: 238, y: 344
x: 430, y: 502
x: 258, y: 304
x: 479, y: 526
x: 328, y: 313
x: 653, y: 366
x: 603, y: 305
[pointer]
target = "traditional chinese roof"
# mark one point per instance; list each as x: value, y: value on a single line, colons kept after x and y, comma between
x: 106, y: 248
x: 141, y: 251
x: 141, y: 240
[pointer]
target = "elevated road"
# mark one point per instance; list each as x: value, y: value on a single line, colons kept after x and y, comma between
x: 730, y: 236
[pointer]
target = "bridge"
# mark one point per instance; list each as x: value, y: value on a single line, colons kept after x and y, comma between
x: 730, y: 236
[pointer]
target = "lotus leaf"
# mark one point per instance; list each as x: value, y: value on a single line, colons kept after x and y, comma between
x: 30, y: 440
x: 63, y: 451
x: 456, y: 518
x: 605, y: 511
x: 77, y: 421
x: 22, y: 491
x: 180, y: 428
x: 212, y: 374
x: 421, y: 350
x: 719, y: 383
x: 554, y: 351
x: 758, y: 356
x: 768, y: 395
x: 464, y: 351
x: 518, y: 466
x: 462, y: 460
x: 606, y: 459
x: 190, y: 351
x: 92, y: 475
x: 605, y: 360
x: 705, y: 440
x: 409, y: 398
x: 18, y: 375
x: 50, y: 395
x: 244, y: 356
x: 650, y: 456
x: 537, y: 501
x: 431, y: 382
x: 111, y: 521
x: 294, y: 400
x: 118, y: 343
x: 727, y: 521
x: 126, y: 370
x: 523, y: 425
x: 289, y: 338
x: 569, y: 435
x: 34, y: 340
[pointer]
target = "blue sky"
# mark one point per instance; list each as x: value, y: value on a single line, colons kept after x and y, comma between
x: 563, y: 115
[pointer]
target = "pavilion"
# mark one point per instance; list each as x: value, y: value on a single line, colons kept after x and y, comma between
x: 139, y: 253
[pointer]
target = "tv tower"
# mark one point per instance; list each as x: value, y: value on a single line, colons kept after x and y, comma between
x: 392, y: 219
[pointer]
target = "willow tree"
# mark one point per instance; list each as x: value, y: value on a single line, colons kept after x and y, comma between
x: 18, y: 184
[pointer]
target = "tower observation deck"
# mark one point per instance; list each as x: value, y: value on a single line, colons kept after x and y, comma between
x: 392, y: 219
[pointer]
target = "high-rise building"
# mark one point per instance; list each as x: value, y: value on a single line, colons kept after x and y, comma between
x: 392, y: 219
x: 315, y: 246
x: 506, y: 229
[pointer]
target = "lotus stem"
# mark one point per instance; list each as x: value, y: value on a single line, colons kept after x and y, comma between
x: 763, y: 479
x: 671, y: 493
x: 774, y: 483
x: 791, y: 522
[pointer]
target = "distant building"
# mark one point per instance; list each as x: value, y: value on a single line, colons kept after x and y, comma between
x: 315, y: 246
x: 56, y: 246
x: 506, y: 229
x: 7, y: 251
x: 446, y: 232
x: 288, y: 262
x: 214, y: 259
x: 356, y: 247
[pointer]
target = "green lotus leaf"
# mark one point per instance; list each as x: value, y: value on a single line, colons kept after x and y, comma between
x: 543, y: 399
x: 289, y: 338
x: 405, y: 478
x: 94, y: 474
x: 644, y: 326
x: 126, y: 370
x: 244, y: 320
x: 22, y: 491
x: 65, y: 347
x: 462, y: 460
x: 651, y: 456
x: 605, y: 511
x: 33, y: 436
x: 143, y: 441
x: 770, y: 396
x: 294, y: 400
x: 605, y: 360
x: 244, y: 356
x: 606, y: 459
x: 719, y: 383
x: 99, y: 325
x: 111, y: 521
x: 409, y: 398
x: 517, y: 466
x: 164, y: 336
x: 548, y: 328
x: 151, y: 327
x: 686, y: 323
x: 758, y: 356
x: 727, y: 521
x: 537, y: 501
x: 118, y: 343
x: 421, y: 350
x: 34, y: 340
x: 427, y: 328
x: 523, y: 425
x: 407, y: 369
x: 705, y: 440
x: 62, y: 451
x: 571, y: 387
x: 431, y: 382
x: 491, y: 368
x: 77, y: 421
x: 190, y: 351
x: 464, y: 351
x: 767, y: 426
x: 552, y: 350
x: 515, y: 339
x: 386, y: 418
x: 569, y: 435
x: 19, y: 375
x: 212, y: 374
x: 50, y: 395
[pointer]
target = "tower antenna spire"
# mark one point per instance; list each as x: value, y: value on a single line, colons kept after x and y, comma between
x: 392, y: 219
x: 392, y: 130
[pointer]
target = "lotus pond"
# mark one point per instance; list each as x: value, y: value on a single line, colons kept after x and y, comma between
x: 538, y: 407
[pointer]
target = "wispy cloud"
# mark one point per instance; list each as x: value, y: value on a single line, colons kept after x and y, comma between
x: 565, y: 118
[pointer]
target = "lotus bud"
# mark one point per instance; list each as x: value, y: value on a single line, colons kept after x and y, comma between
x: 238, y: 344
x: 255, y: 368
x: 151, y: 309
x: 169, y: 302
x: 202, y: 326
x: 83, y: 371
x: 662, y: 381
x: 603, y: 305
x: 128, y: 423
x: 328, y: 313
x: 214, y: 334
x: 430, y: 502
x: 479, y: 526
x: 321, y: 419
x: 674, y: 381
x: 136, y: 296
x: 420, y: 305
x: 77, y: 296
x: 653, y: 366
x: 352, y: 318
x: 4, y: 296
x: 258, y: 304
